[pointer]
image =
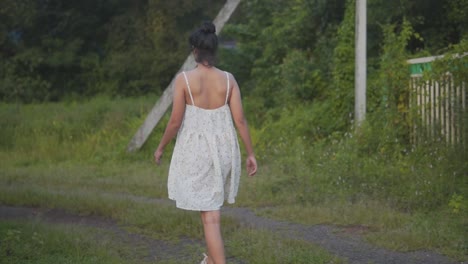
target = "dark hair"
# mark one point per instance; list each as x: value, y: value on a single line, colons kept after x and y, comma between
x: 205, y: 41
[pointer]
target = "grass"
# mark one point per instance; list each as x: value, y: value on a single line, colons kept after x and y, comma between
x: 37, y: 242
x: 72, y: 156
x: 138, y: 178
x: 263, y: 247
x: 384, y: 226
x: 34, y: 242
x: 161, y: 221
x: 312, y: 200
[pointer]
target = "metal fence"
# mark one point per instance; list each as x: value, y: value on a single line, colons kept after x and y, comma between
x: 438, y: 107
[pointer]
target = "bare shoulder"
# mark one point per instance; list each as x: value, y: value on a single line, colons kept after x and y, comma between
x: 179, y: 80
x: 233, y: 80
x: 230, y: 75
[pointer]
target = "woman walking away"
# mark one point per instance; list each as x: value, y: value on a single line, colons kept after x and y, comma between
x: 205, y: 165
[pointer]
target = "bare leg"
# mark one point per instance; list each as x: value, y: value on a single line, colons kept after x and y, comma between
x: 214, y: 241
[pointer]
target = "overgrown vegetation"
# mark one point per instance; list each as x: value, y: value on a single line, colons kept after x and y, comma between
x: 310, y: 136
x: 309, y: 133
x: 335, y: 182
x: 294, y: 61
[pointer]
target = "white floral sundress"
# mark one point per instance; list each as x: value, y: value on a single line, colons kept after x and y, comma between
x: 205, y: 164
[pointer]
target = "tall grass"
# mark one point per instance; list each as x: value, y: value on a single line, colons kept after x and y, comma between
x: 373, y: 163
x: 366, y: 178
x: 97, y: 130
x: 370, y: 177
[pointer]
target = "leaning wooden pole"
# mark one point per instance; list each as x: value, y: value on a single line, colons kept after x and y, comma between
x: 165, y: 101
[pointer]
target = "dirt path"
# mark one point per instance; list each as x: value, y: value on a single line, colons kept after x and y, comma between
x: 157, y: 250
x: 346, y: 244
x: 183, y: 251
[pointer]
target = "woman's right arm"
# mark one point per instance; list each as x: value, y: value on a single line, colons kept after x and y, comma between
x: 235, y: 103
x: 177, y: 115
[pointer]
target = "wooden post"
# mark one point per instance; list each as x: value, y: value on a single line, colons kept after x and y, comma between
x: 165, y: 100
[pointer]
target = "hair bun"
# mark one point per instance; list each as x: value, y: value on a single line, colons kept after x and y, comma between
x: 208, y: 28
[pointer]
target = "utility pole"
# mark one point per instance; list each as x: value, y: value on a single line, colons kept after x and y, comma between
x: 361, y: 62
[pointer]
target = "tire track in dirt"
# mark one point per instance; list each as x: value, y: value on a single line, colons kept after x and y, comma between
x: 156, y: 250
x: 347, y: 245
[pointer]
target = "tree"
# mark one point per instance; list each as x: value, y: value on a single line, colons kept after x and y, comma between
x: 53, y: 49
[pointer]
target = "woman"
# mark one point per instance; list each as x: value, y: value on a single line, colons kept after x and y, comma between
x: 205, y: 165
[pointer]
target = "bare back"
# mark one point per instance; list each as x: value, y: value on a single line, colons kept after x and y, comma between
x: 208, y: 87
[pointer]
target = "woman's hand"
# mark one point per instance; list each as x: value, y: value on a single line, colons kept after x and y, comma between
x: 157, y: 156
x: 251, y: 164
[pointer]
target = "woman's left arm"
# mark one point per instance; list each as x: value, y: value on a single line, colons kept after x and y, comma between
x: 178, y: 109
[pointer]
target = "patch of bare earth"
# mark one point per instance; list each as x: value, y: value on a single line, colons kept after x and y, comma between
x: 153, y: 250
x: 344, y: 242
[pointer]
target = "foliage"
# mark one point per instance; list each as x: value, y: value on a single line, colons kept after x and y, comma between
x: 51, y: 50
x: 322, y: 160
x: 455, y: 62
x: 456, y: 13
x: 294, y: 61
x: 452, y: 69
x: 57, y: 49
x: 341, y: 91
x: 388, y: 93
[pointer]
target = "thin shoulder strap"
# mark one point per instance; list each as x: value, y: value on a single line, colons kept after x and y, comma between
x: 227, y: 93
x: 188, y: 88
